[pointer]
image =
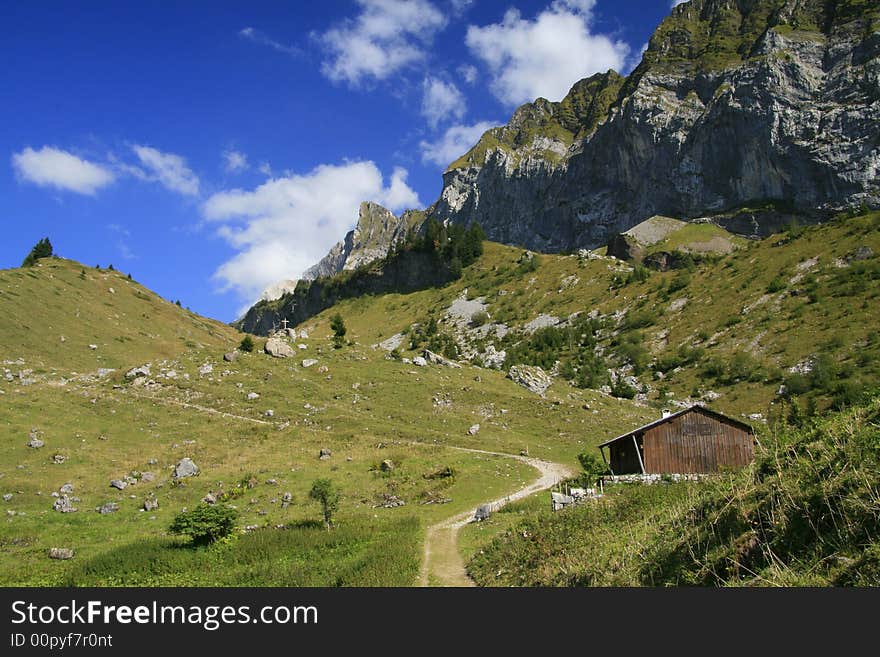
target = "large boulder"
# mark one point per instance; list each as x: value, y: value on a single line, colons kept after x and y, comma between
x: 185, y: 468
x: 278, y: 348
x: 230, y: 357
x: 532, y: 378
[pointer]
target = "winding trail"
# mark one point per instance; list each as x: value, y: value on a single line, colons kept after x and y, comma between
x: 442, y: 564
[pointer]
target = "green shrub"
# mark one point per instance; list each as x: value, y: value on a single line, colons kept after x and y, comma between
x: 246, y: 344
x: 479, y: 318
x: 323, y: 492
x: 206, y: 523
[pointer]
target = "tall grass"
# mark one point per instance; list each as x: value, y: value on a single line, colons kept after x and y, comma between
x: 356, y: 553
x: 805, y: 513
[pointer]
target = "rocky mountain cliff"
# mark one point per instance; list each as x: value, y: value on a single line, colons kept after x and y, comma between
x: 749, y: 112
x: 377, y: 232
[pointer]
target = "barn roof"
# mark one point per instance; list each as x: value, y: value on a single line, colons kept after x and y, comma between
x: 672, y: 416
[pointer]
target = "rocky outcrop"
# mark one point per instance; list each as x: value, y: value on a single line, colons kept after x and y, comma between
x: 377, y: 232
x: 532, y: 378
x: 750, y: 112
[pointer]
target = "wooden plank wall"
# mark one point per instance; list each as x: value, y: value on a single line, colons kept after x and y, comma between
x: 696, y: 443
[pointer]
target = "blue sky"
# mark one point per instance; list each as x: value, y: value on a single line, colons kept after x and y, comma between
x: 213, y: 148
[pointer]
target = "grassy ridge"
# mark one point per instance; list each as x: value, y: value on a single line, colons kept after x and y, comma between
x: 806, y: 513
x: 51, y: 312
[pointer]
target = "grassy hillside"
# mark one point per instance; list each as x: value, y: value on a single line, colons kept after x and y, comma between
x: 362, y: 406
x: 799, y: 309
x: 806, y: 513
x: 730, y: 325
x: 51, y: 312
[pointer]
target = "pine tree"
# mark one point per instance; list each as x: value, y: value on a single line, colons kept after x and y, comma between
x: 42, y: 249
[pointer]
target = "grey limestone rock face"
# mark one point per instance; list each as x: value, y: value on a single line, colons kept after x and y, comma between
x: 376, y: 233
x: 789, y: 130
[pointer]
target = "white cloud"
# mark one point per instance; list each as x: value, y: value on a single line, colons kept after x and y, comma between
x: 544, y: 57
x: 287, y: 224
x: 168, y: 169
x: 265, y: 168
x: 52, y: 167
x: 468, y: 73
x: 441, y: 101
x: 675, y: 3
x: 234, y: 161
x: 454, y: 143
x: 388, y: 35
x: 252, y: 34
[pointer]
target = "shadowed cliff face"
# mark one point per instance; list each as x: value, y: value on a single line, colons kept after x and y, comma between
x: 748, y: 112
x: 405, y: 272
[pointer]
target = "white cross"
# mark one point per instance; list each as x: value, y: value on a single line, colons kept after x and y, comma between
x: 284, y: 324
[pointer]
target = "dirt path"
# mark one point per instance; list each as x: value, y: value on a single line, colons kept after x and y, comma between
x: 203, y: 409
x: 442, y: 564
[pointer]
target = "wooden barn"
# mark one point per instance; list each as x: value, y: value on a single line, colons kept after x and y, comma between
x: 693, y: 441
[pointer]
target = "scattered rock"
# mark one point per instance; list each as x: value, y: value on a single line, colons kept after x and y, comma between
x: 483, y: 512
x: 148, y: 476
x: 63, y: 505
x: 230, y: 357
x: 118, y: 484
x: 437, y: 359
x: 325, y: 453
x: 151, y: 504
x: 210, y: 498
x: 206, y: 369
x: 861, y: 253
x: 390, y: 501
x: 269, y: 413
x: 35, y: 443
x: 110, y: 507
x: 308, y: 362
x: 253, y: 395
x: 387, y: 465
x: 7, y: 497
x: 533, y: 378
x: 185, y: 468
x: 58, y: 459
x: 286, y: 499
x: 60, y: 553
x: 493, y: 359
x: 474, y: 429
x: 277, y: 348
x: 302, y: 347
x: 93, y: 347
x: 66, y: 489
x: 323, y: 369
x: 138, y: 372
x: 419, y: 361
